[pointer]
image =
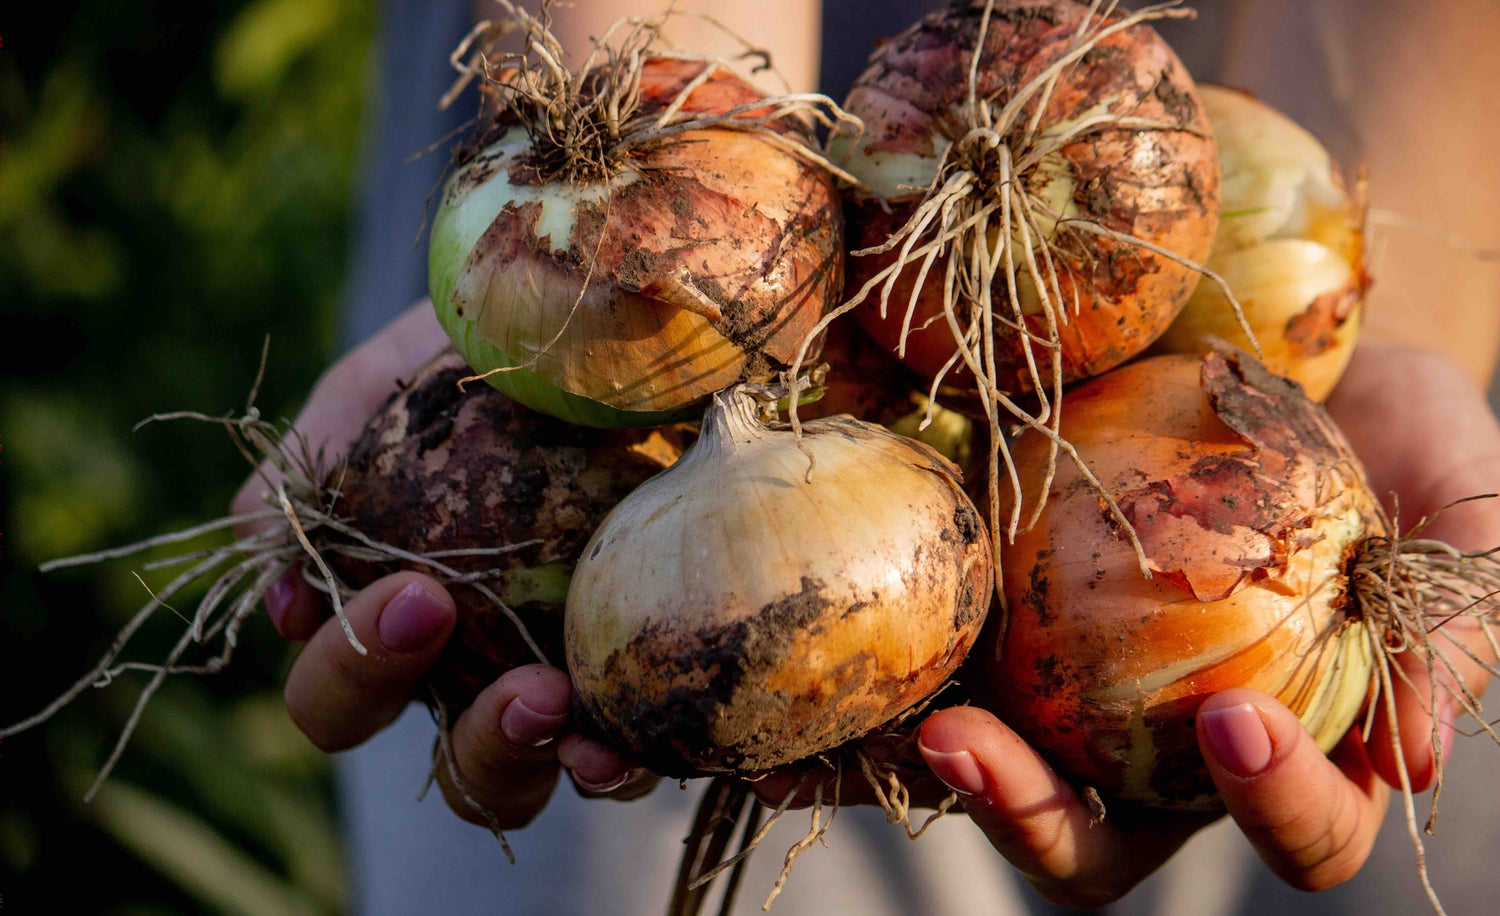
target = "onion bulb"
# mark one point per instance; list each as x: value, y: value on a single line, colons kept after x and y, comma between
x: 615, y: 247
x: 741, y: 610
x: 1062, y: 182
x: 440, y: 469
x: 1290, y: 245
x: 1269, y: 558
x: 493, y: 500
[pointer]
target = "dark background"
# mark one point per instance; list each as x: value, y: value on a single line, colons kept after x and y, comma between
x: 174, y: 184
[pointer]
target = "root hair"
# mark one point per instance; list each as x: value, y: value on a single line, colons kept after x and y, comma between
x: 1409, y: 591
x: 302, y: 489
x: 584, y: 122
x: 979, y: 222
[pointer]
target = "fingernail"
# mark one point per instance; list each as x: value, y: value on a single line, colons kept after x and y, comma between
x: 1238, y: 738
x: 279, y: 597
x: 595, y: 767
x: 608, y: 785
x: 958, y: 769
x: 412, y: 619
x: 525, y: 727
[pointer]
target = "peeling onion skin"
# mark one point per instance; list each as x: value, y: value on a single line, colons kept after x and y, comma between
x: 711, y: 220
x: 438, y: 468
x: 1249, y: 505
x: 1290, y: 244
x: 731, y: 616
x: 1159, y: 185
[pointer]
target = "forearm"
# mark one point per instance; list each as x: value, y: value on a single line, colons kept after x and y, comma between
x: 788, y: 29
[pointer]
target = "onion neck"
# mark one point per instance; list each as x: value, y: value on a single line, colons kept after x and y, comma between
x: 732, y: 418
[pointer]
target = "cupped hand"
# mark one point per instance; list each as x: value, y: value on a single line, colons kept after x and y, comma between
x: 1427, y: 438
x: 510, y: 745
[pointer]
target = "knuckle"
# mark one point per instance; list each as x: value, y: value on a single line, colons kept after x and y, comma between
x: 500, y: 808
x: 1336, y: 847
x: 361, y: 680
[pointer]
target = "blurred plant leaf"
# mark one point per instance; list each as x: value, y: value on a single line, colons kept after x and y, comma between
x: 74, y: 482
x: 266, y: 38
x: 184, y: 731
x: 176, y: 183
x: 195, y: 855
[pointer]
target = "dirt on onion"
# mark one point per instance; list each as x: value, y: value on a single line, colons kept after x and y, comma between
x: 622, y: 239
x: 738, y: 612
x: 1272, y: 565
x: 493, y: 500
x: 444, y: 469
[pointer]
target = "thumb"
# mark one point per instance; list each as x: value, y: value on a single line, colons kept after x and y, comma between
x: 1312, y: 818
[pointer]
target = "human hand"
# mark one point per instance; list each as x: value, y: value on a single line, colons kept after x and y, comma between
x: 511, y: 743
x: 1427, y: 436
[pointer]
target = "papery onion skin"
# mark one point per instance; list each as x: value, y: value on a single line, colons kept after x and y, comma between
x: 712, y: 219
x: 733, y: 615
x: 1249, y: 506
x: 1290, y: 245
x: 1159, y: 185
x: 439, y: 468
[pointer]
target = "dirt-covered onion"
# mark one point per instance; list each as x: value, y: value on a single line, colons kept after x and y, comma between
x: 1290, y: 245
x: 443, y: 469
x: 1270, y: 560
x: 493, y: 500
x: 623, y: 244
x: 1059, y: 160
x: 740, y: 611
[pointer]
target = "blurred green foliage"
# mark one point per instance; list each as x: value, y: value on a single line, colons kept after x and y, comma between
x: 175, y: 183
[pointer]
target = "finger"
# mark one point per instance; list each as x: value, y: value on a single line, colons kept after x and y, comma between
x: 505, y: 746
x: 599, y: 771
x: 1459, y: 641
x: 339, y: 697
x: 1035, y: 819
x: 350, y: 391
x: 1427, y: 458
x: 1312, y: 818
x: 296, y: 608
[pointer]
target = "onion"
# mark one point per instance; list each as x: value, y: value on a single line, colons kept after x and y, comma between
x: 441, y: 469
x: 1290, y: 244
x: 491, y: 499
x: 739, y: 611
x: 1076, y: 147
x: 1041, y: 185
x: 1272, y: 567
x: 615, y: 246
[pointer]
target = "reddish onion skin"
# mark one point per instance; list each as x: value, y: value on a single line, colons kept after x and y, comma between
x: 438, y: 468
x: 1158, y: 185
x: 1249, y: 506
x: 704, y: 262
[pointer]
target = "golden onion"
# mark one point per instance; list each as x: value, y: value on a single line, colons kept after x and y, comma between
x: 621, y: 288
x: 1290, y: 245
x: 742, y: 610
x: 1268, y: 555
